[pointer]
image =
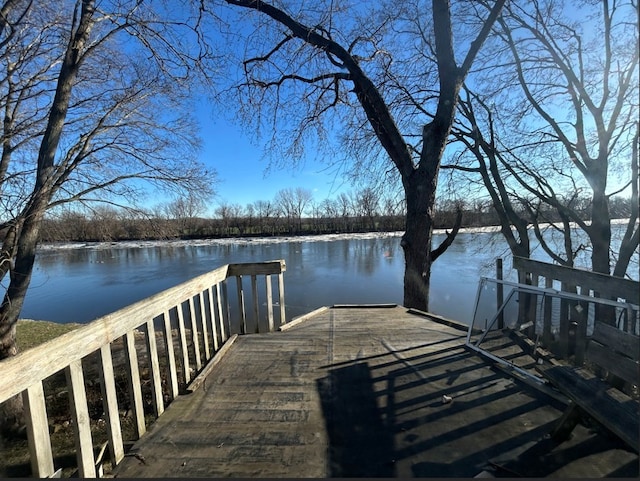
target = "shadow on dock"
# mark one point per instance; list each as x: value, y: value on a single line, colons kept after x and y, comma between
x: 368, y: 393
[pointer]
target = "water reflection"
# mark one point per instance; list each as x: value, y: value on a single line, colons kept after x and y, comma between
x: 78, y: 285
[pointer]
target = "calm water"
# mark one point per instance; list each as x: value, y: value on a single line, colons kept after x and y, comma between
x: 82, y: 283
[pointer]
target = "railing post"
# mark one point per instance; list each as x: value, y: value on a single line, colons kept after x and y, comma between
x: 81, y: 424
x: 256, y: 306
x: 110, y: 404
x: 133, y: 378
x: 243, y: 317
x: 35, y: 412
x: 547, y: 314
x: 223, y: 332
x: 563, y: 333
x: 194, y: 333
x: 283, y: 319
x: 205, y: 331
x: 186, y: 372
x: 499, y: 292
x: 170, y: 354
x: 227, y: 309
x: 154, y: 365
x: 269, y: 303
x: 212, y: 315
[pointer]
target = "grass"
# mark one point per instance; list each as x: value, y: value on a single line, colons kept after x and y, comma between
x: 15, y: 458
x: 30, y: 333
x: 14, y: 452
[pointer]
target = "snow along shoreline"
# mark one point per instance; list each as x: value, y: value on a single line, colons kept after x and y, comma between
x: 258, y: 240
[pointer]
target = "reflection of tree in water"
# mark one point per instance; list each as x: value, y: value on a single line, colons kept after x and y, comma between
x: 389, y: 246
x: 365, y: 256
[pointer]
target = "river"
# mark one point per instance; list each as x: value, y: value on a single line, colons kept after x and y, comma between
x: 80, y: 282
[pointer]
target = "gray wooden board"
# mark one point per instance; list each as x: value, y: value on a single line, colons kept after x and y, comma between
x: 347, y: 393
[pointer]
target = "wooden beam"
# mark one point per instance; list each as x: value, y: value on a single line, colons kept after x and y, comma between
x: 81, y: 421
x: 35, y: 412
x: 110, y: 404
x: 607, y: 286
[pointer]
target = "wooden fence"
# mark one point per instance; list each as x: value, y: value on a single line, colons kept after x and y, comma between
x: 572, y: 335
x: 193, y: 318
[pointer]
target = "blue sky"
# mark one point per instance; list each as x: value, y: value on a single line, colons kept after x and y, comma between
x: 242, y: 169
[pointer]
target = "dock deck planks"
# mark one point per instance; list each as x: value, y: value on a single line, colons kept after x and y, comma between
x: 356, y: 392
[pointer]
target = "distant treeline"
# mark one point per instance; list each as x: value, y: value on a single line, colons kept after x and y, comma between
x: 109, y: 224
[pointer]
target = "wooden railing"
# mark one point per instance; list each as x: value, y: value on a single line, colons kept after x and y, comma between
x: 572, y: 334
x: 194, y: 318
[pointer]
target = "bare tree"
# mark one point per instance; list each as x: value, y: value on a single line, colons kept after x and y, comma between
x: 368, y: 201
x: 567, y: 129
x: 185, y: 210
x: 265, y: 210
x: 224, y: 212
x: 86, y: 120
x: 292, y: 203
x: 335, y: 61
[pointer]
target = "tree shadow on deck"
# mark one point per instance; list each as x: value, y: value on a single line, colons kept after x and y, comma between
x: 360, y: 442
x: 386, y: 417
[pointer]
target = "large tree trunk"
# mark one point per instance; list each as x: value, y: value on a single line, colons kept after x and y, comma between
x: 416, y: 241
x: 419, y: 182
x: 600, y: 229
x: 27, y: 238
x: 20, y: 277
x: 11, y: 411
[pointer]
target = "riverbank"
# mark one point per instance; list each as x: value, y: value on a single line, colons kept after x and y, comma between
x: 31, y: 333
x: 196, y: 242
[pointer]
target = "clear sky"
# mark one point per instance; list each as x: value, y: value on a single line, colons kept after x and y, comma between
x: 242, y: 168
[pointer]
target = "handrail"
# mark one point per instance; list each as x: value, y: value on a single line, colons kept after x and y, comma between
x: 605, y: 285
x: 210, y: 325
x: 592, y: 284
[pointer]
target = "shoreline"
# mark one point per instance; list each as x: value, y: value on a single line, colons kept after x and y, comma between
x: 265, y: 240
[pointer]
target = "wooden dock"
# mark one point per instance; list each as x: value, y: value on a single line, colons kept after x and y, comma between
x: 365, y: 392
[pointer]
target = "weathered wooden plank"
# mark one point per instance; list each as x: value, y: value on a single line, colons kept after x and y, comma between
x: 302, y: 318
x: 243, y: 314
x: 110, y: 404
x: 172, y: 373
x: 205, y: 330
x: 618, y: 340
x: 547, y: 311
x: 606, y: 286
x: 133, y: 378
x: 283, y: 319
x: 223, y: 331
x: 216, y: 316
x: 499, y: 292
x: 212, y: 317
x: 52, y: 356
x: 256, y: 306
x: 35, y: 412
x: 271, y: 407
x: 364, y: 306
x: 186, y: 368
x: 579, y: 312
x: 202, y: 376
x: 257, y: 268
x: 269, y: 295
x: 623, y: 367
x: 81, y: 422
x: 195, y: 339
x: 563, y: 331
x: 610, y: 407
x: 97, y: 336
x: 226, y: 309
x: 154, y: 364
